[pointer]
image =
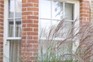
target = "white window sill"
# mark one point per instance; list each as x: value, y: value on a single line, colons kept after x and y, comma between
x: 14, y: 38
x: 54, y: 39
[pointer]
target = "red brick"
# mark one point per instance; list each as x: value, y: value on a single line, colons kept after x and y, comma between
x: 27, y: 21
x: 1, y: 28
x: 35, y: 5
x: 35, y: 13
x: 27, y: 13
x: 32, y: 9
x: 84, y: 11
x: 32, y: 17
x: 24, y: 1
x: 34, y: 1
x: 29, y: 30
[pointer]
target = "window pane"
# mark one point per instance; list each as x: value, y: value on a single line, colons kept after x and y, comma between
x: 14, y: 51
x: 11, y: 8
x: 69, y: 11
x: 66, y: 48
x: 10, y: 29
x: 45, y: 8
x: 67, y: 27
x: 57, y: 10
x: 18, y: 29
x: 55, y: 23
x: 18, y: 8
x: 45, y: 26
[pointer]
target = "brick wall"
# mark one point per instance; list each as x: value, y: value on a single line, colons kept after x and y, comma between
x: 1, y: 29
x: 84, y: 11
x: 29, y: 43
x: 84, y: 21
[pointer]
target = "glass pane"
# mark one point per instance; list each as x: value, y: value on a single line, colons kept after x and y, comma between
x: 14, y: 51
x: 66, y: 48
x: 57, y: 10
x: 69, y: 11
x: 67, y: 27
x: 18, y: 8
x: 64, y: 29
x: 55, y: 23
x: 18, y: 29
x: 45, y: 8
x: 10, y: 29
x: 11, y: 8
x: 45, y: 26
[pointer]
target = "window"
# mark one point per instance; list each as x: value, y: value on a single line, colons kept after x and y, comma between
x: 51, y: 12
x: 12, y: 30
x: 14, y: 18
x: 14, y: 51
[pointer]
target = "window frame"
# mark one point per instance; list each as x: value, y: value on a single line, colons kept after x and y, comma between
x: 76, y: 15
x: 7, y: 39
x: 14, y: 21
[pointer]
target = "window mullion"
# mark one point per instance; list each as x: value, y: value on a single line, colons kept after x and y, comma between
x: 63, y: 9
x: 14, y: 18
x: 51, y: 12
x: 8, y: 17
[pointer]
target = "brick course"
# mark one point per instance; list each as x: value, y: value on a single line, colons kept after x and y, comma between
x: 84, y: 11
x: 29, y: 43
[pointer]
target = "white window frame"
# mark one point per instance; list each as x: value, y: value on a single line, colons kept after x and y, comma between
x: 14, y: 25
x: 76, y: 15
x: 7, y: 39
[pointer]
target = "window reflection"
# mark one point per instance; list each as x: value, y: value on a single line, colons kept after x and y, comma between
x: 45, y: 9
x: 53, y: 12
x: 45, y: 25
x: 18, y: 8
x: 69, y: 11
x: 18, y: 29
x: 10, y: 32
x: 57, y: 10
x: 15, y: 6
x: 11, y: 8
x: 14, y: 18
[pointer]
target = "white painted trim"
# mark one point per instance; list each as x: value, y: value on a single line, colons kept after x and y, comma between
x: 6, y: 38
x: 76, y: 16
x: 14, y: 22
x: 76, y: 11
x: 54, y: 39
x: 68, y: 0
x: 76, y: 39
x: 14, y: 26
x: 14, y: 38
x: 6, y: 43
